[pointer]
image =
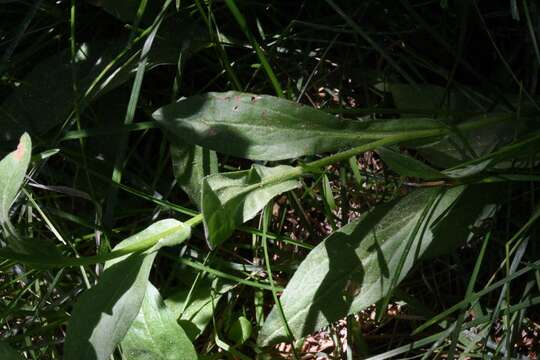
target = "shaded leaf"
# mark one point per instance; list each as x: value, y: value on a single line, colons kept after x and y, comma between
x: 191, y: 163
x: 477, y: 203
x: 155, y: 334
x: 231, y: 199
x: 355, y: 266
x: 126, y: 10
x: 455, y: 148
x: 197, y: 313
x: 103, y: 314
x: 426, y: 97
x: 13, y: 168
x: 22, y: 110
x: 263, y: 127
x: 7, y: 353
x: 406, y: 165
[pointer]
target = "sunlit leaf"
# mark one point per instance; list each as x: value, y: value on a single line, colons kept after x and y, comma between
x: 12, y: 171
x: 263, y: 127
x: 155, y: 334
x: 230, y: 199
x: 240, y: 330
x: 355, y: 266
x: 104, y: 313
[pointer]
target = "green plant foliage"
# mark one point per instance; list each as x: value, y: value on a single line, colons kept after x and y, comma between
x: 240, y: 330
x: 104, y: 313
x: 406, y: 165
x: 231, y: 199
x: 357, y: 265
x: 99, y: 70
x: 262, y: 127
x: 7, y: 353
x: 13, y: 168
x: 194, y: 309
x: 395, y: 163
x: 191, y: 163
x: 155, y: 334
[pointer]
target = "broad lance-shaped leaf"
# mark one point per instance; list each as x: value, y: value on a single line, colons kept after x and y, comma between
x: 263, y: 127
x: 191, y: 163
x: 104, y: 313
x: 355, y: 266
x: 12, y: 171
x: 155, y: 334
x: 231, y: 199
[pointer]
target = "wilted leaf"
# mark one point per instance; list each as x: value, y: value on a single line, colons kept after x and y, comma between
x: 104, y: 313
x: 231, y: 199
x: 263, y: 127
x: 191, y: 163
x: 155, y: 334
x: 12, y: 171
x: 355, y: 266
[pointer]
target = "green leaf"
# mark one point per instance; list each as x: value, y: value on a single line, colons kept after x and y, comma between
x: 231, y: 199
x: 155, y: 334
x: 197, y: 313
x: 13, y: 168
x: 191, y: 163
x: 477, y: 203
x: 355, y: 266
x: 240, y: 331
x: 328, y: 194
x: 7, y: 353
x: 263, y: 127
x: 406, y: 165
x: 104, y: 313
